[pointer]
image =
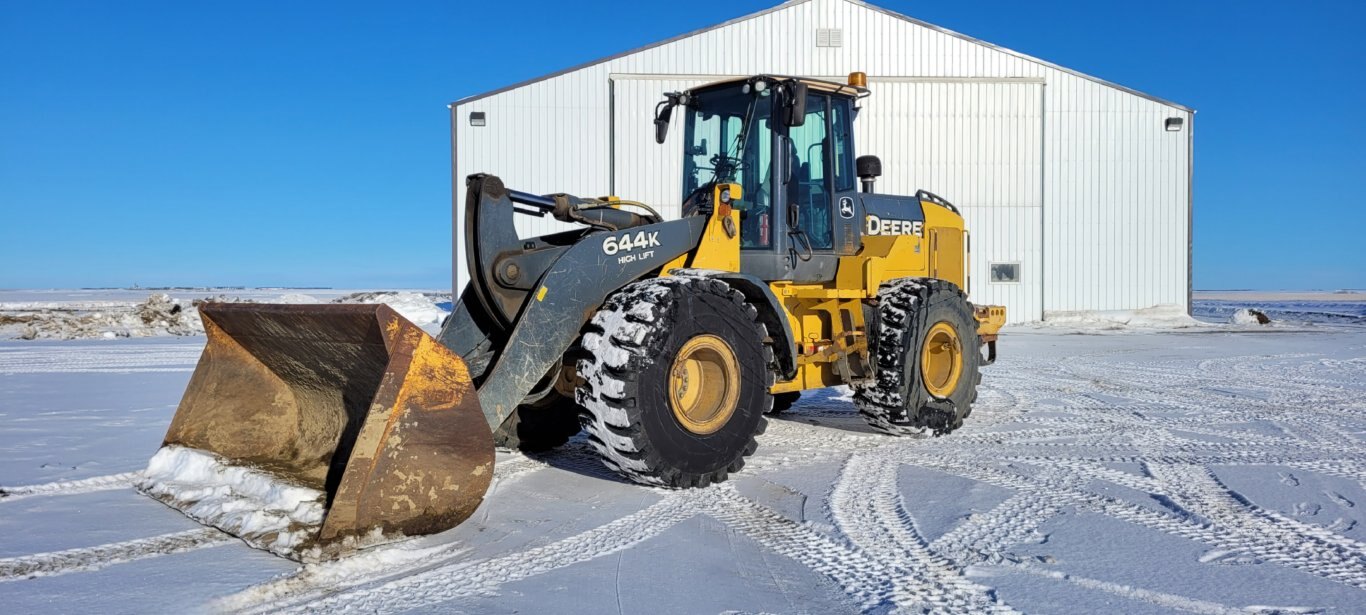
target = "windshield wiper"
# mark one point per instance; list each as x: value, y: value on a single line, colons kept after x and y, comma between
x: 724, y: 159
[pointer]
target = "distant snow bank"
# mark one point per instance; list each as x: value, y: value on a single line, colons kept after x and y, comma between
x: 1338, y: 309
x: 421, y: 309
x: 1252, y: 312
x: 1157, y: 317
x: 163, y: 315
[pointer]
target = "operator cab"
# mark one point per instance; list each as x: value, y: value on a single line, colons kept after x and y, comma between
x: 788, y: 143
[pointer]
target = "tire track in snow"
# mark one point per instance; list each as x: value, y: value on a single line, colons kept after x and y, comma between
x: 867, y: 508
x: 984, y: 537
x: 1280, y: 538
x: 1015, y: 521
x: 1205, y: 395
x: 482, y: 577
x: 1162, y: 599
x: 1339, y: 468
x: 109, y: 482
x: 1065, y: 491
x: 94, y: 558
x: 863, y: 577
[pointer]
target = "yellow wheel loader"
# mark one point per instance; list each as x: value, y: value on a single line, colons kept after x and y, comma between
x: 315, y: 430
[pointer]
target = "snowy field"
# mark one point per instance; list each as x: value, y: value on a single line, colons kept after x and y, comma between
x: 1196, y: 468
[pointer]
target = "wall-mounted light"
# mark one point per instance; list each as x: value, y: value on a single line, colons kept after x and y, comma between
x: 1174, y: 124
x: 477, y: 119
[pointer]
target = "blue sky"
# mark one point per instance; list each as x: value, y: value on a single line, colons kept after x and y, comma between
x: 284, y: 143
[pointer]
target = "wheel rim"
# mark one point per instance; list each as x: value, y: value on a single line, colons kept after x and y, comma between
x: 941, y: 360
x: 704, y: 384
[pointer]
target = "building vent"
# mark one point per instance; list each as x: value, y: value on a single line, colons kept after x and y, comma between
x: 829, y: 37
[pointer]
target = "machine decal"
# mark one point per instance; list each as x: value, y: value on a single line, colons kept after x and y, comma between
x: 891, y: 226
x: 626, y: 242
x: 846, y: 208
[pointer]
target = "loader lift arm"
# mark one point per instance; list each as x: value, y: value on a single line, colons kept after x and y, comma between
x: 528, y: 298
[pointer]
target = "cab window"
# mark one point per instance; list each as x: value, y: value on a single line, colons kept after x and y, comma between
x: 809, y: 188
x: 719, y: 149
x: 841, y: 126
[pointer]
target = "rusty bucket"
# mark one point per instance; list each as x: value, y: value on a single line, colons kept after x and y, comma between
x: 348, y: 423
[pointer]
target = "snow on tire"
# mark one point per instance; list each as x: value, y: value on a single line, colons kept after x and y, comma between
x: 899, y: 401
x: 630, y: 346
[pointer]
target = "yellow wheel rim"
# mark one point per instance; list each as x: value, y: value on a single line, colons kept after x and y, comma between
x: 704, y: 384
x: 941, y: 360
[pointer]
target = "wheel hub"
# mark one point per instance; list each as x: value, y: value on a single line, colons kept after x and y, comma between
x: 941, y: 360
x: 704, y: 384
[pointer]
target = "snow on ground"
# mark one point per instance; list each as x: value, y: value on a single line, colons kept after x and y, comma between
x: 1209, y: 470
x: 130, y: 313
x: 1156, y: 317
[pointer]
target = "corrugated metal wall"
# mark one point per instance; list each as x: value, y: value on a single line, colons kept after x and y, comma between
x: 1114, y: 184
x: 979, y: 144
x: 648, y: 171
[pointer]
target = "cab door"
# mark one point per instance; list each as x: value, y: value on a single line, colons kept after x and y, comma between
x: 820, y: 193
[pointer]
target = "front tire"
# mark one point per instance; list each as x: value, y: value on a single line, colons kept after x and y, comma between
x: 676, y: 381
x: 926, y: 354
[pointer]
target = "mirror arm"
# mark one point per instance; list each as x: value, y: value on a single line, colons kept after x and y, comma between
x: 664, y: 112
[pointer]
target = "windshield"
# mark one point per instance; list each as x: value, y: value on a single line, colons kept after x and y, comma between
x: 729, y: 139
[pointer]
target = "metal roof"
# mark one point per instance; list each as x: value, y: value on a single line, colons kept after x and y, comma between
x: 791, y: 3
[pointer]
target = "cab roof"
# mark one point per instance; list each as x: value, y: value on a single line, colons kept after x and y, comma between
x: 822, y: 85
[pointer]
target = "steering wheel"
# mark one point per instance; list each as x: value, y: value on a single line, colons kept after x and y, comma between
x: 725, y: 166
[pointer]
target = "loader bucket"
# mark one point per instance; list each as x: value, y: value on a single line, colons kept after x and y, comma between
x: 312, y: 430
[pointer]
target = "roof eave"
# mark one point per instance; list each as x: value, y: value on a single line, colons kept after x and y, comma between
x: 1022, y: 56
x: 791, y: 3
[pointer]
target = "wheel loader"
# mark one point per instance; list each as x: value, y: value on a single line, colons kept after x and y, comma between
x: 317, y: 430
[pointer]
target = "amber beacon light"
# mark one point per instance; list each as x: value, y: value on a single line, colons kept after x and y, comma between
x: 858, y: 79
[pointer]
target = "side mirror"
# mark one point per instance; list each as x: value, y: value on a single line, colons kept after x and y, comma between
x: 662, y: 121
x: 796, y: 103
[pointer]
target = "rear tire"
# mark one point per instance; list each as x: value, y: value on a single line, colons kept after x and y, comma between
x: 784, y: 401
x: 926, y: 356
x: 541, y: 426
x: 676, y: 381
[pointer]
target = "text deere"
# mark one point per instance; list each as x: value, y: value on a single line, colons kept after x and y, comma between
x: 878, y: 226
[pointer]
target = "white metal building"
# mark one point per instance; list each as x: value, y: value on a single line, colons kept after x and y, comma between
x: 1083, y: 184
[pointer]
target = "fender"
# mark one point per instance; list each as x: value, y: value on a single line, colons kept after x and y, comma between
x: 771, y: 313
